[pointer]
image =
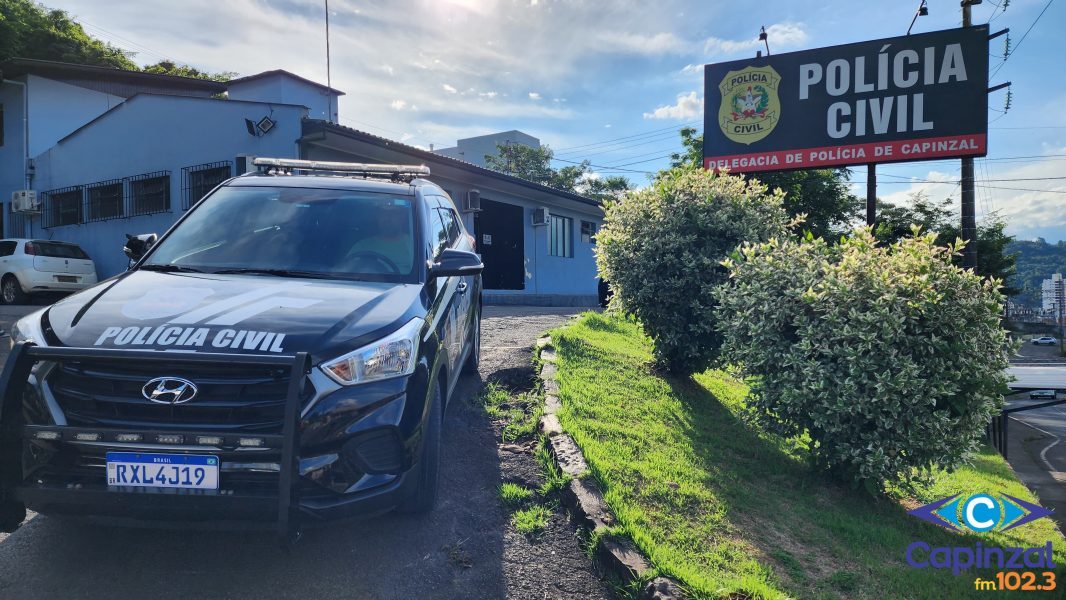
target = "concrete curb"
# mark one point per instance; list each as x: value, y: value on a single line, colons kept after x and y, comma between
x: 619, y: 556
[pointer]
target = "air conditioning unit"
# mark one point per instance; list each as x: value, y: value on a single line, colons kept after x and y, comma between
x: 25, y: 201
x: 472, y: 202
x: 540, y: 216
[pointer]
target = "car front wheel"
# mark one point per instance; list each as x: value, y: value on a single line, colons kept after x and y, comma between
x: 422, y: 494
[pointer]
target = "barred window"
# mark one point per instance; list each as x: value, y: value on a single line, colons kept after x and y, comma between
x: 560, y: 236
x: 63, y: 207
x: 104, y: 200
x: 150, y: 193
x: 200, y: 179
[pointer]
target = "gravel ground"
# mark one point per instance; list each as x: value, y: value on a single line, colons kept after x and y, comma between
x: 464, y: 549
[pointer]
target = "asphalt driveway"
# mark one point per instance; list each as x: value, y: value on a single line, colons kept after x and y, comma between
x: 464, y: 549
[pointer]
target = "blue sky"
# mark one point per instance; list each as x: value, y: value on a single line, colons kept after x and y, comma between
x: 605, y: 81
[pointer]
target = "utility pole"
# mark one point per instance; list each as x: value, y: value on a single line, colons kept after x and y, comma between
x: 969, y: 218
x: 329, y: 83
x: 871, y: 194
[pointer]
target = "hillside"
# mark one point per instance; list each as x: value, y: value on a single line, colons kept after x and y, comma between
x: 31, y: 30
x: 1037, y: 260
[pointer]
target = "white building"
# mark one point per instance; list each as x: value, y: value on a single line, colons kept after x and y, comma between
x: 1053, y: 294
x: 474, y: 149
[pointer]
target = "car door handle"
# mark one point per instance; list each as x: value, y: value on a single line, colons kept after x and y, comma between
x: 461, y: 288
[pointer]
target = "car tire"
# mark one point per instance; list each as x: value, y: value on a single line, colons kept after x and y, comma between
x: 11, y: 292
x: 473, y: 360
x: 422, y: 493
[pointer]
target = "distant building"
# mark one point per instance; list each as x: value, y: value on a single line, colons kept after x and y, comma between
x: 474, y: 149
x: 110, y: 152
x: 1053, y: 295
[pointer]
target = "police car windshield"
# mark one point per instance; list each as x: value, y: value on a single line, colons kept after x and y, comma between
x: 283, y: 231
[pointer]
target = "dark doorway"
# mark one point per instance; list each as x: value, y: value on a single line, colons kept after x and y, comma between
x: 500, y: 232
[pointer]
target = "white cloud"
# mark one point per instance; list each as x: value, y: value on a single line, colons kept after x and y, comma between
x: 1031, y: 208
x: 688, y: 106
x: 398, y: 104
x: 448, y: 88
x: 779, y: 35
x: 636, y: 43
x: 387, y: 69
x: 692, y: 70
x: 489, y: 95
x: 534, y: 96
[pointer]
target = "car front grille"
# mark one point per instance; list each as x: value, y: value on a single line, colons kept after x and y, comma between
x: 230, y: 398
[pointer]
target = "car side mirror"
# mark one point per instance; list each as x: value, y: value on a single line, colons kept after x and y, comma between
x: 454, y: 262
x: 139, y: 245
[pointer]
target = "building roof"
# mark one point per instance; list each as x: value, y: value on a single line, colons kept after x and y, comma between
x: 22, y: 66
x: 285, y: 73
x: 318, y: 125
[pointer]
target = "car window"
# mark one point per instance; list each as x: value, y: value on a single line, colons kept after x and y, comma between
x: 344, y: 234
x: 451, y: 223
x: 55, y: 250
x: 438, y: 232
x: 7, y: 248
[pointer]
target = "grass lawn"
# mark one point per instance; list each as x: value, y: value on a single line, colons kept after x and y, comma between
x: 730, y: 511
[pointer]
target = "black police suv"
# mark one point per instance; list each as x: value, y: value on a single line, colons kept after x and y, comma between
x: 284, y: 352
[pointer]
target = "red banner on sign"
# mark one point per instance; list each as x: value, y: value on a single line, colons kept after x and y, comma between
x: 856, y: 154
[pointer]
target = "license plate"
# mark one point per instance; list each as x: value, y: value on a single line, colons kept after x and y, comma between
x: 66, y: 279
x: 188, y: 471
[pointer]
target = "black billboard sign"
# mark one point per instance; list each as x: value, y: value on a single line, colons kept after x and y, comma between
x: 907, y: 98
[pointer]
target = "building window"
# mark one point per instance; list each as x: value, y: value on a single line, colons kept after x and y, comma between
x: 560, y: 236
x: 104, y: 200
x: 197, y: 181
x: 588, y: 232
x: 150, y: 193
x: 63, y: 207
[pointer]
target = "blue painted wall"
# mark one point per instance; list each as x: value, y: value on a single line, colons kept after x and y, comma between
x: 154, y: 133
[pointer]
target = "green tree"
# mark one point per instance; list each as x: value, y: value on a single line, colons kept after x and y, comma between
x: 534, y: 164
x: 888, y: 356
x: 820, y: 194
x: 994, y: 259
x: 29, y: 30
x: 662, y: 247
x: 169, y: 67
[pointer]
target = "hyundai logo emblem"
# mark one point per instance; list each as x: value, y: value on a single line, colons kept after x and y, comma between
x: 169, y: 390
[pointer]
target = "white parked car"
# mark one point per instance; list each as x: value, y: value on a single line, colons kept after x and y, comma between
x: 1047, y: 340
x: 31, y: 266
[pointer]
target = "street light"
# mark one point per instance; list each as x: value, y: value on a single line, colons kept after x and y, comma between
x: 923, y: 11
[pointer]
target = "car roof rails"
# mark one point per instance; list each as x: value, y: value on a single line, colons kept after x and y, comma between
x: 289, y: 166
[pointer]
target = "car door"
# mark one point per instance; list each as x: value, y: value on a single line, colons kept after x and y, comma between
x: 464, y: 303
x: 446, y: 287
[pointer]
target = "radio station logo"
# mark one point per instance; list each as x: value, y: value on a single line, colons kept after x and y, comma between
x: 750, y: 107
x: 980, y: 512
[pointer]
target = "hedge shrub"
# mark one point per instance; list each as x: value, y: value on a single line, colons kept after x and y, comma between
x: 661, y: 248
x: 890, y: 358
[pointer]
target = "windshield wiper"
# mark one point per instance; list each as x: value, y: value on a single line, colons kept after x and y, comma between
x: 169, y: 268
x: 275, y: 273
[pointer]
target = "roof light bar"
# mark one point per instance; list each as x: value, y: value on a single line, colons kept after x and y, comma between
x: 340, y: 167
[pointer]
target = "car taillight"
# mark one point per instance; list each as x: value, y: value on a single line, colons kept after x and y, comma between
x: 29, y: 249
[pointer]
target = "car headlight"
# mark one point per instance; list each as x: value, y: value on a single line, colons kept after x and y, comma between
x: 28, y: 329
x: 392, y: 356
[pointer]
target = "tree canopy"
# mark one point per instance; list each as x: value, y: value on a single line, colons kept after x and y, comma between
x: 820, y: 194
x: 31, y: 30
x: 994, y: 259
x: 534, y: 164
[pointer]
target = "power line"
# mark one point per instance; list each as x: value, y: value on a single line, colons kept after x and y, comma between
x: 1019, y: 44
x: 672, y: 128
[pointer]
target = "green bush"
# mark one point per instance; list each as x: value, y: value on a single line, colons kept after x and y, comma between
x: 890, y: 358
x: 661, y: 249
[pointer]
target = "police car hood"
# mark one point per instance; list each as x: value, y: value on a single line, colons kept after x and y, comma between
x: 247, y: 314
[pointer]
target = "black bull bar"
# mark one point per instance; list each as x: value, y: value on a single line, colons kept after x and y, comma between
x: 13, y: 429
